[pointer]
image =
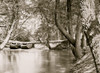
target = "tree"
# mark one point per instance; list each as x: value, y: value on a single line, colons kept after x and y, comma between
x: 77, y: 51
x: 69, y: 17
x: 2, y: 45
x: 13, y: 20
x: 67, y: 35
x: 79, y: 11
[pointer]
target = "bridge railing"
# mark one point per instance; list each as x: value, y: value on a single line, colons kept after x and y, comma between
x: 36, y: 42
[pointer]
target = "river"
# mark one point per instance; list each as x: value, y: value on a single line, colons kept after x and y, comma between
x: 35, y: 61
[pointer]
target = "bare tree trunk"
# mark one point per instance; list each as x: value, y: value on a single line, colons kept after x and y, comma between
x: 78, y: 41
x: 8, y: 36
x: 77, y: 52
x: 14, y: 16
x: 60, y: 27
x: 78, y: 32
x: 69, y: 16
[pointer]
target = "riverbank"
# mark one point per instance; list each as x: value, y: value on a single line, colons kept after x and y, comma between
x: 86, y: 64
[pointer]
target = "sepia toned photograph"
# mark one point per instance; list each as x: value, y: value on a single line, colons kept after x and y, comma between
x: 49, y: 36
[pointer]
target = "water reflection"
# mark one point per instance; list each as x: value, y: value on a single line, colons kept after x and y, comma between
x: 34, y: 61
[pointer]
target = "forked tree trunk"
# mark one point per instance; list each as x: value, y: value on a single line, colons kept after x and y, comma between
x: 70, y: 29
x: 60, y: 27
x: 77, y: 50
x: 77, y: 53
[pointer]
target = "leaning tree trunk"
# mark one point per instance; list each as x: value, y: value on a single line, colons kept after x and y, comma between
x: 16, y: 16
x: 13, y: 15
x: 8, y: 36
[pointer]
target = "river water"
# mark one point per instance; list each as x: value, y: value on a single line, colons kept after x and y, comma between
x: 35, y: 61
